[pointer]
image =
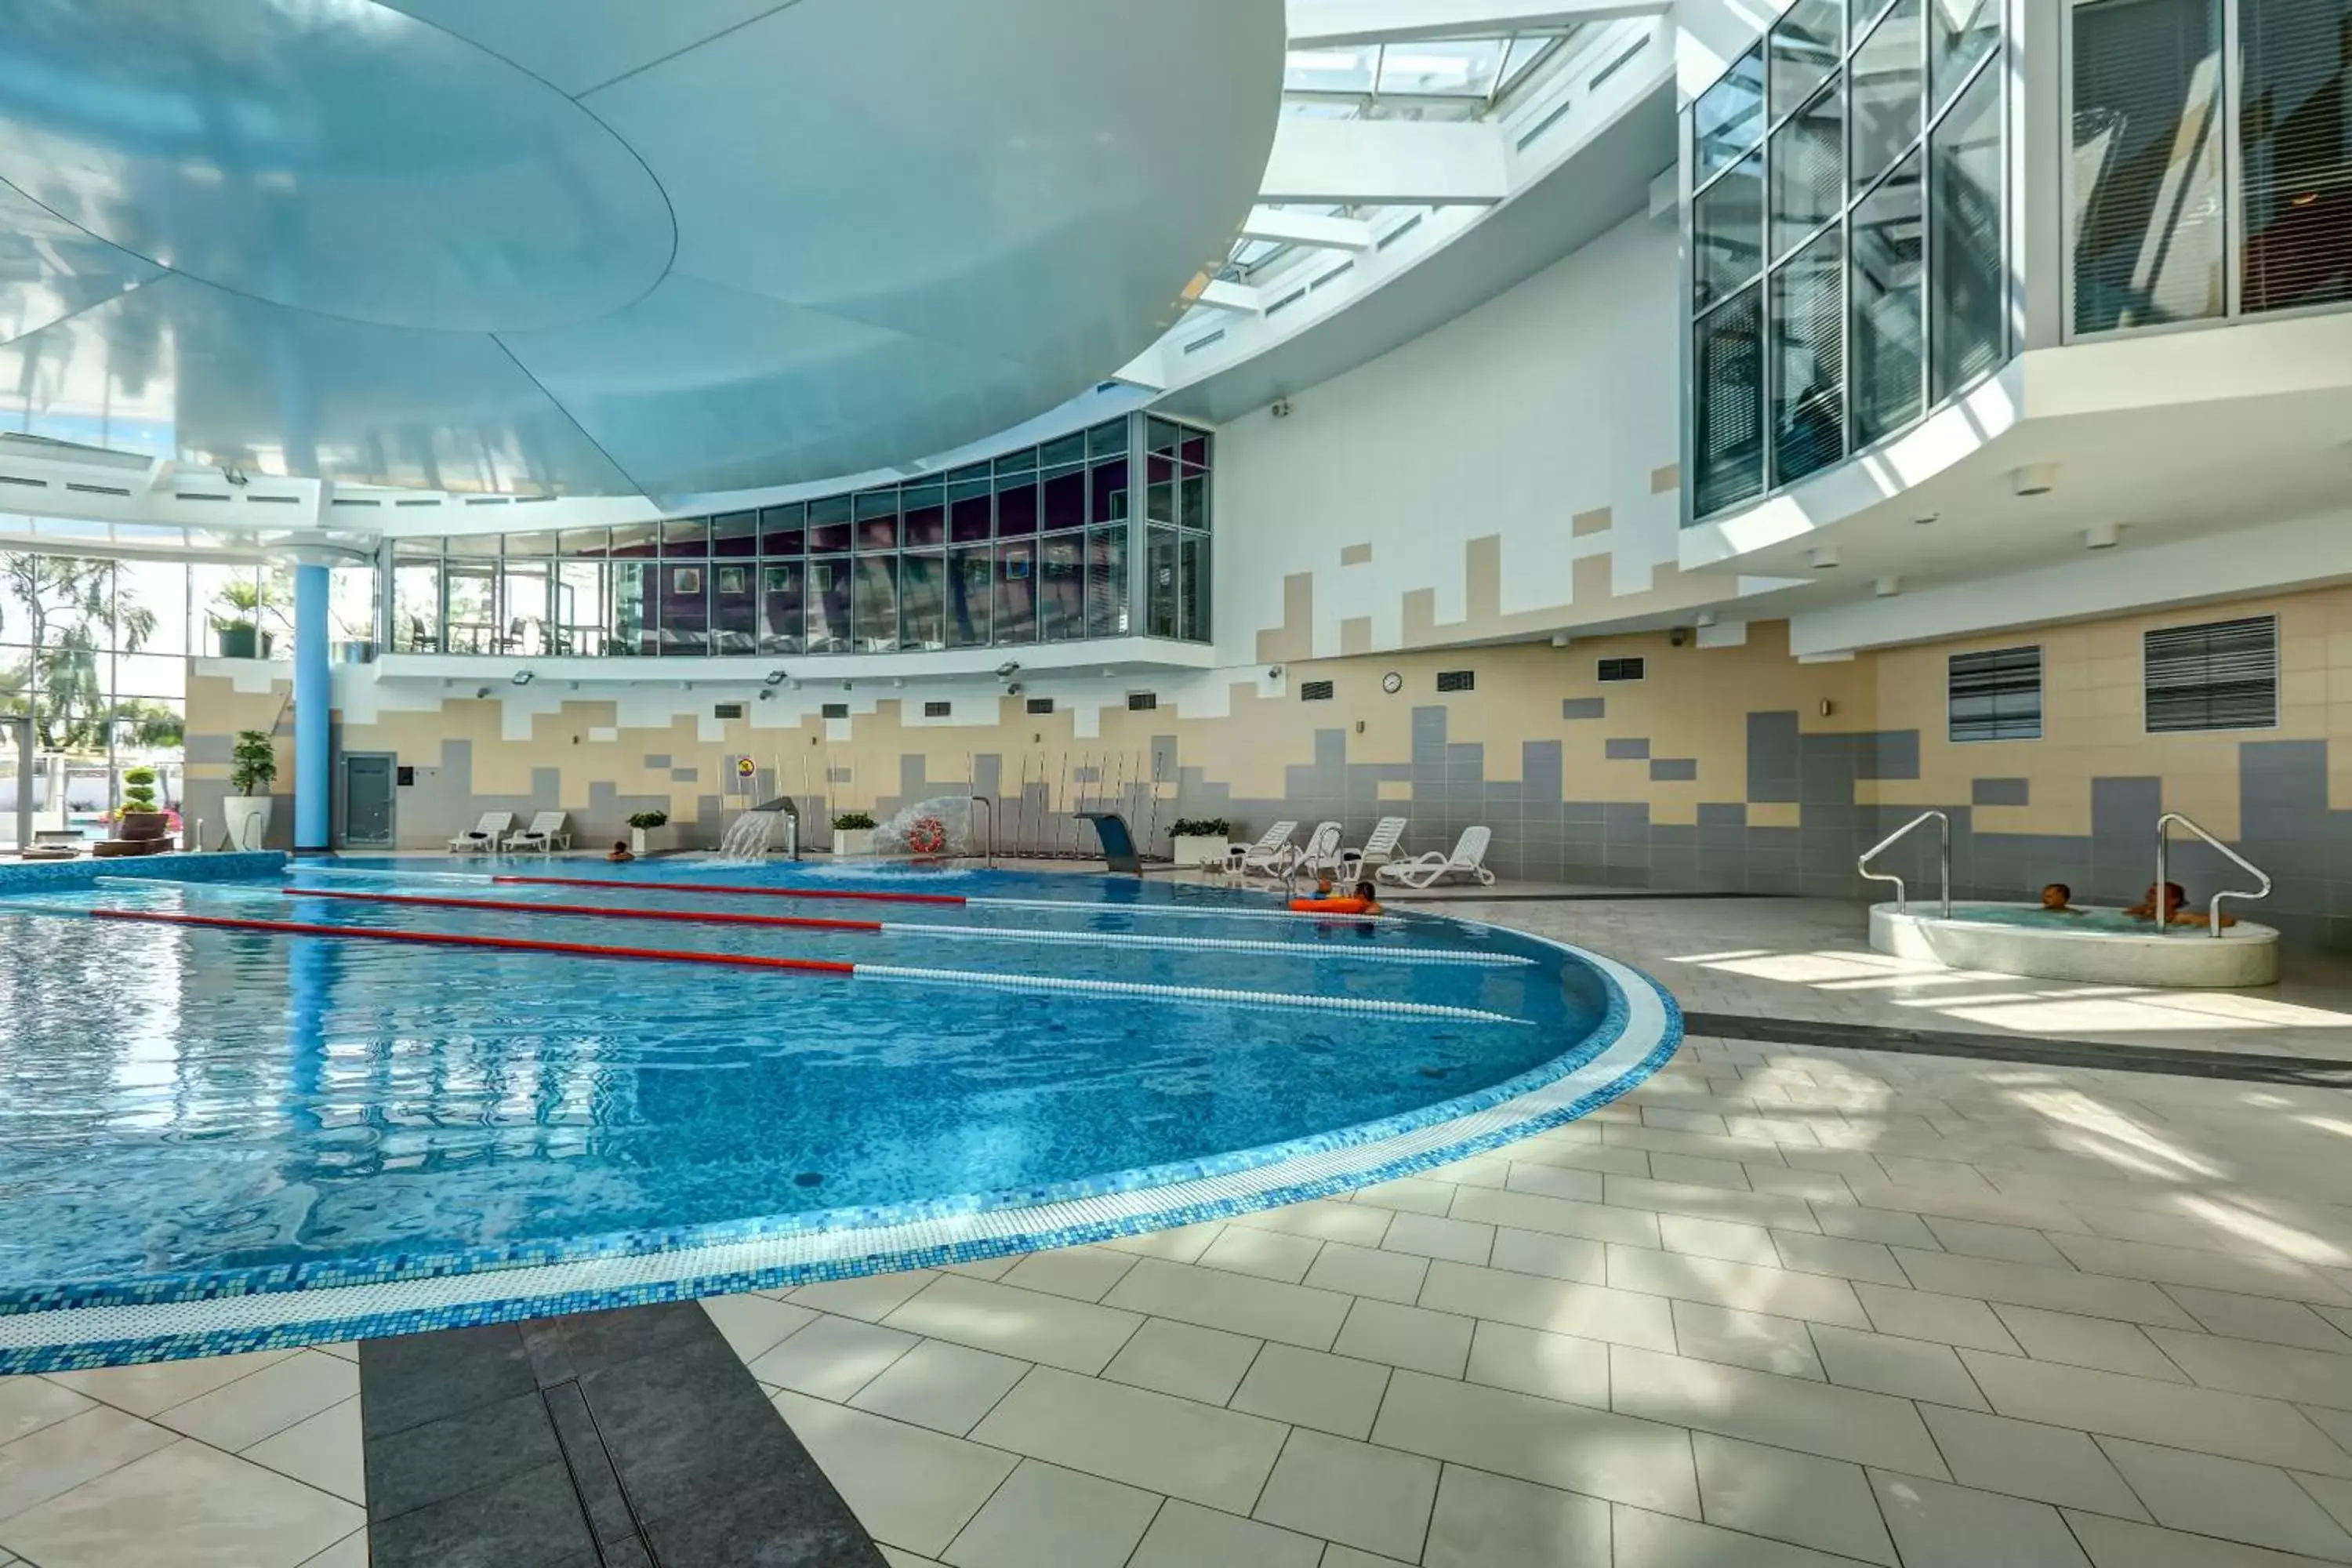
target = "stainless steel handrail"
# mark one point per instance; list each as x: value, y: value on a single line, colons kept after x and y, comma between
x: 989, y: 801
x: 2213, y: 908
x: 1902, y: 898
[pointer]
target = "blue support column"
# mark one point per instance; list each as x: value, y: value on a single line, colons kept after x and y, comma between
x: 312, y: 702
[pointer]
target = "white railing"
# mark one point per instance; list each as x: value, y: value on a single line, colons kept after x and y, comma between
x: 2213, y: 907
x: 1944, y: 836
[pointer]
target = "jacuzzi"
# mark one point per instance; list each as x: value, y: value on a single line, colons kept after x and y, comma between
x: 2092, y: 944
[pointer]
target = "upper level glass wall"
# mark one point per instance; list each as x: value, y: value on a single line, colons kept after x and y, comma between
x: 2210, y: 175
x: 1033, y: 545
x: 1847, y: 234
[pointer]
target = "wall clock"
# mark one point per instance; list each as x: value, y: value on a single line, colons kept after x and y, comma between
x: 1393, y: 683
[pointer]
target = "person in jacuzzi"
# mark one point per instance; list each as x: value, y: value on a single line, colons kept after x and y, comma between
x: 2056, y: 898
x: 2176, y: 909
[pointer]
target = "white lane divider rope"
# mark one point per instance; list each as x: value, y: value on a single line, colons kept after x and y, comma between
x: 1367, y: 953
x: 1180, y: 910
x: 1187, y: 993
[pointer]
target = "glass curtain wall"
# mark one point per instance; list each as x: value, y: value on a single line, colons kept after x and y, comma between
x: 1846, y: 240
x: 2211, y: 172
x: 1029, y: 546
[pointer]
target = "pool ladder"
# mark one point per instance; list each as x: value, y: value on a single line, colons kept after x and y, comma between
x: 1944, y: 837
x: 2213, y: 908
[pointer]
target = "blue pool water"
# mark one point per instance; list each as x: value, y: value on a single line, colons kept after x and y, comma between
x: 2039, y: 919
x: 177, y: 1101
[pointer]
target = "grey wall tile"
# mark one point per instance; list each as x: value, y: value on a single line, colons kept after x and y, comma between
x: 1673, y: 769
x: 1626, y: 748
x: 1998, y: 791
x: 1584, y: 707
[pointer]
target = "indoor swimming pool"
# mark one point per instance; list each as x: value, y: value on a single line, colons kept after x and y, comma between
x: 392, y: 1088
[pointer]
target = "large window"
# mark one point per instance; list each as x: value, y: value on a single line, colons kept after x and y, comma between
x: 2202, y: 187
x: 2222, y: 675
x: 1996, y: 695
x: 1847, y: 239
x: 1033, y: 545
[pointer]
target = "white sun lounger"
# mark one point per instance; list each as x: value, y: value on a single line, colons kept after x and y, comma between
x: 549, y: 831
x: 1273, y: 855
x: 1468, y: 859
x: 487, y: 834
x: 1381, y: 848
x: 1322, y: 852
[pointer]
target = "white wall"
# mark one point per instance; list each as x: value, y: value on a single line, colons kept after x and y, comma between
x: 1556, y: 399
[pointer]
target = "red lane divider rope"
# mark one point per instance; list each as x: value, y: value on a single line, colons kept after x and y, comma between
x: 737, y: 892
x: 517, y: 906
x: 451, y: 939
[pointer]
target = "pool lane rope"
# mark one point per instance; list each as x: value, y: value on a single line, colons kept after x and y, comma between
x: 870, y: 895
x: 963, y: 977
x: 1428, y: 955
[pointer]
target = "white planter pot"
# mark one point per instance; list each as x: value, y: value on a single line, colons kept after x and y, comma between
x: 853, y: 841
x: 1191, y: 851
x: 640, y: 838
x: 246, y: 820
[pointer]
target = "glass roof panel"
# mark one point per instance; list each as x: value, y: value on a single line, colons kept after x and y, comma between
x: 1331, y: 70
x: 1461, y: 68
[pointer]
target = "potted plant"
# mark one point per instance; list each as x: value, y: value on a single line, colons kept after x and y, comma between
x: 252, y: 769
x: 239, y: 629
x: 1200, y: 841
x: 852, y: 832
x: 642, y: 823
x: 143, y: 816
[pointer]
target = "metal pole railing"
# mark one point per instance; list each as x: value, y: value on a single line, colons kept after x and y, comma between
x: 1902, y: 898
x: 2162, y: 914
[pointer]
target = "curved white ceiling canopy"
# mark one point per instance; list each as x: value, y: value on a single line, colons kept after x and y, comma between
x: 604, y: 246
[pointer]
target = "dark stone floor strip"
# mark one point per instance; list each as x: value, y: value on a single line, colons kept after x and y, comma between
x: 625, y: 1439
x: 2243, y: 1065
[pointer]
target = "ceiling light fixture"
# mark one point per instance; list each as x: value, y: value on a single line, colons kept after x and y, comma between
x: 2034, y: 478
x: 1887, y: 587
x: 1824, y: 559
x: 2102, y: 536
x: 524, y: 677
x: 776, y: 678
x: 1924, y: 519
x: 1008, y: 670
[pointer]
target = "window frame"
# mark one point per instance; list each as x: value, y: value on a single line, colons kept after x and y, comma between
x: 2040, y: 692
x: 2277, y: 678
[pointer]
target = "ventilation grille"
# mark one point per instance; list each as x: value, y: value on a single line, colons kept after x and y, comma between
x: 97, y: 490
x: 1344, y: 268
x: 21, y: 479
x: 1622, y: 669
x: 937, y: 710
x: 836, y: 710
x: 485, y: 501
x: 1619, y: 63
x: 1287, y: 301
x: 1406, y: 228
x: 1540, y: 126
x: 727, y: 710
x: 1457, y: 681
x: 272, y: 500
x: 434, y: 502
x: 2219, y: 676
x: 1142, y: 701
x: 196, y: 495
x: 354, y: 501
x: 1199, y: 344
x: 1041, y: 705
x: 1996, y: 695
x: 1314, y: 691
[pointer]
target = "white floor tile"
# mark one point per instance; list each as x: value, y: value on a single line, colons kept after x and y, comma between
x: 1722, y: 1238
x: 1374, y: 1499
x: 1787, y: 1412
x: 1186, y: 1535
x: 1797, y: 1498
x: 1588, y: 1311
x: 1554, y: 1257
x: 1237, y: 1303
x: 2028, y: 1285
x: 1941, y: 1526
x: 1478, y: 1170
x: 241, y: 1413
x: 1493, y: 1521
x: 1428, y: 1236
x: 1925, y: 1315
x: 1218, y: 1458
x: 1838, y: 1256
x: 2118, y: 1544
x: 348, y: 1349
x: 832, y: 1358
x: 1909, y: 1368
x: 2247, y: 1276
x: 1647, y: 1539
x: 1081, y: 1273
x: 2331, y: 1493
x: 2260, y: 1318
x: 1416, y: 1337
x: 2246, y: 1367
x: 2208, y: 1421
x: 1268, y: 1254
x: 982, y: 1268
x: 324, y: 1451
x: 1528, y: 1361
x: 57, y: 1458
x: 908, y: 1487
x: 2100, y: 1343
x: 1308, y: 1388
x: 945, y: 1387
x: 1044, y: 1514
x: 755, y: 1325
x: 1742, y: 1287
x: 29, y: 1403
x: 187, y: 1506
x: 2229, y: 1498
x: 1699, y: 1171
x: 1888, y: 1227
x: 158, y: 1385
x: 1755, y: 1340
x: 2009, y: 1243
x: 1353, y: 1271
x: 1205, y: 1364
x: 1560, y: 1181
x: 2024, y: 1458
x: 1566, y: 1446
x: 1556, y: 1216
x: 1569, y: 1155
x: 350, y: 1552
x: 1325, y: 1219
x: 1026, y: 1325
x: 1182, y: 1245
x: 1336, y: 1556
x: 869, y: 1298
x: 1413, y: 1195
x: 1709, y: 1203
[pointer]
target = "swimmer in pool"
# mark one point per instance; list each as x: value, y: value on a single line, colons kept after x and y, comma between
x: 1323, y: 889
x: 2176, y: 912
x: 620, y: 854
x: 2057, y: 899
x: 1371, y: 897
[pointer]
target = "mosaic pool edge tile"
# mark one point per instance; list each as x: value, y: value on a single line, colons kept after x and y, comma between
x: 221, y: 866
x: 1641, y: 1032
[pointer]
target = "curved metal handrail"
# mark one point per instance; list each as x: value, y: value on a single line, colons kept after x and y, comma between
x: 2213, y: 907
x: 989, y: 801
x: 1902, y: 898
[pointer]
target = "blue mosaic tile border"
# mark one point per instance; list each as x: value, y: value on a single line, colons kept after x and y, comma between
x: 110, y: 1333
x: 226, y: 866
